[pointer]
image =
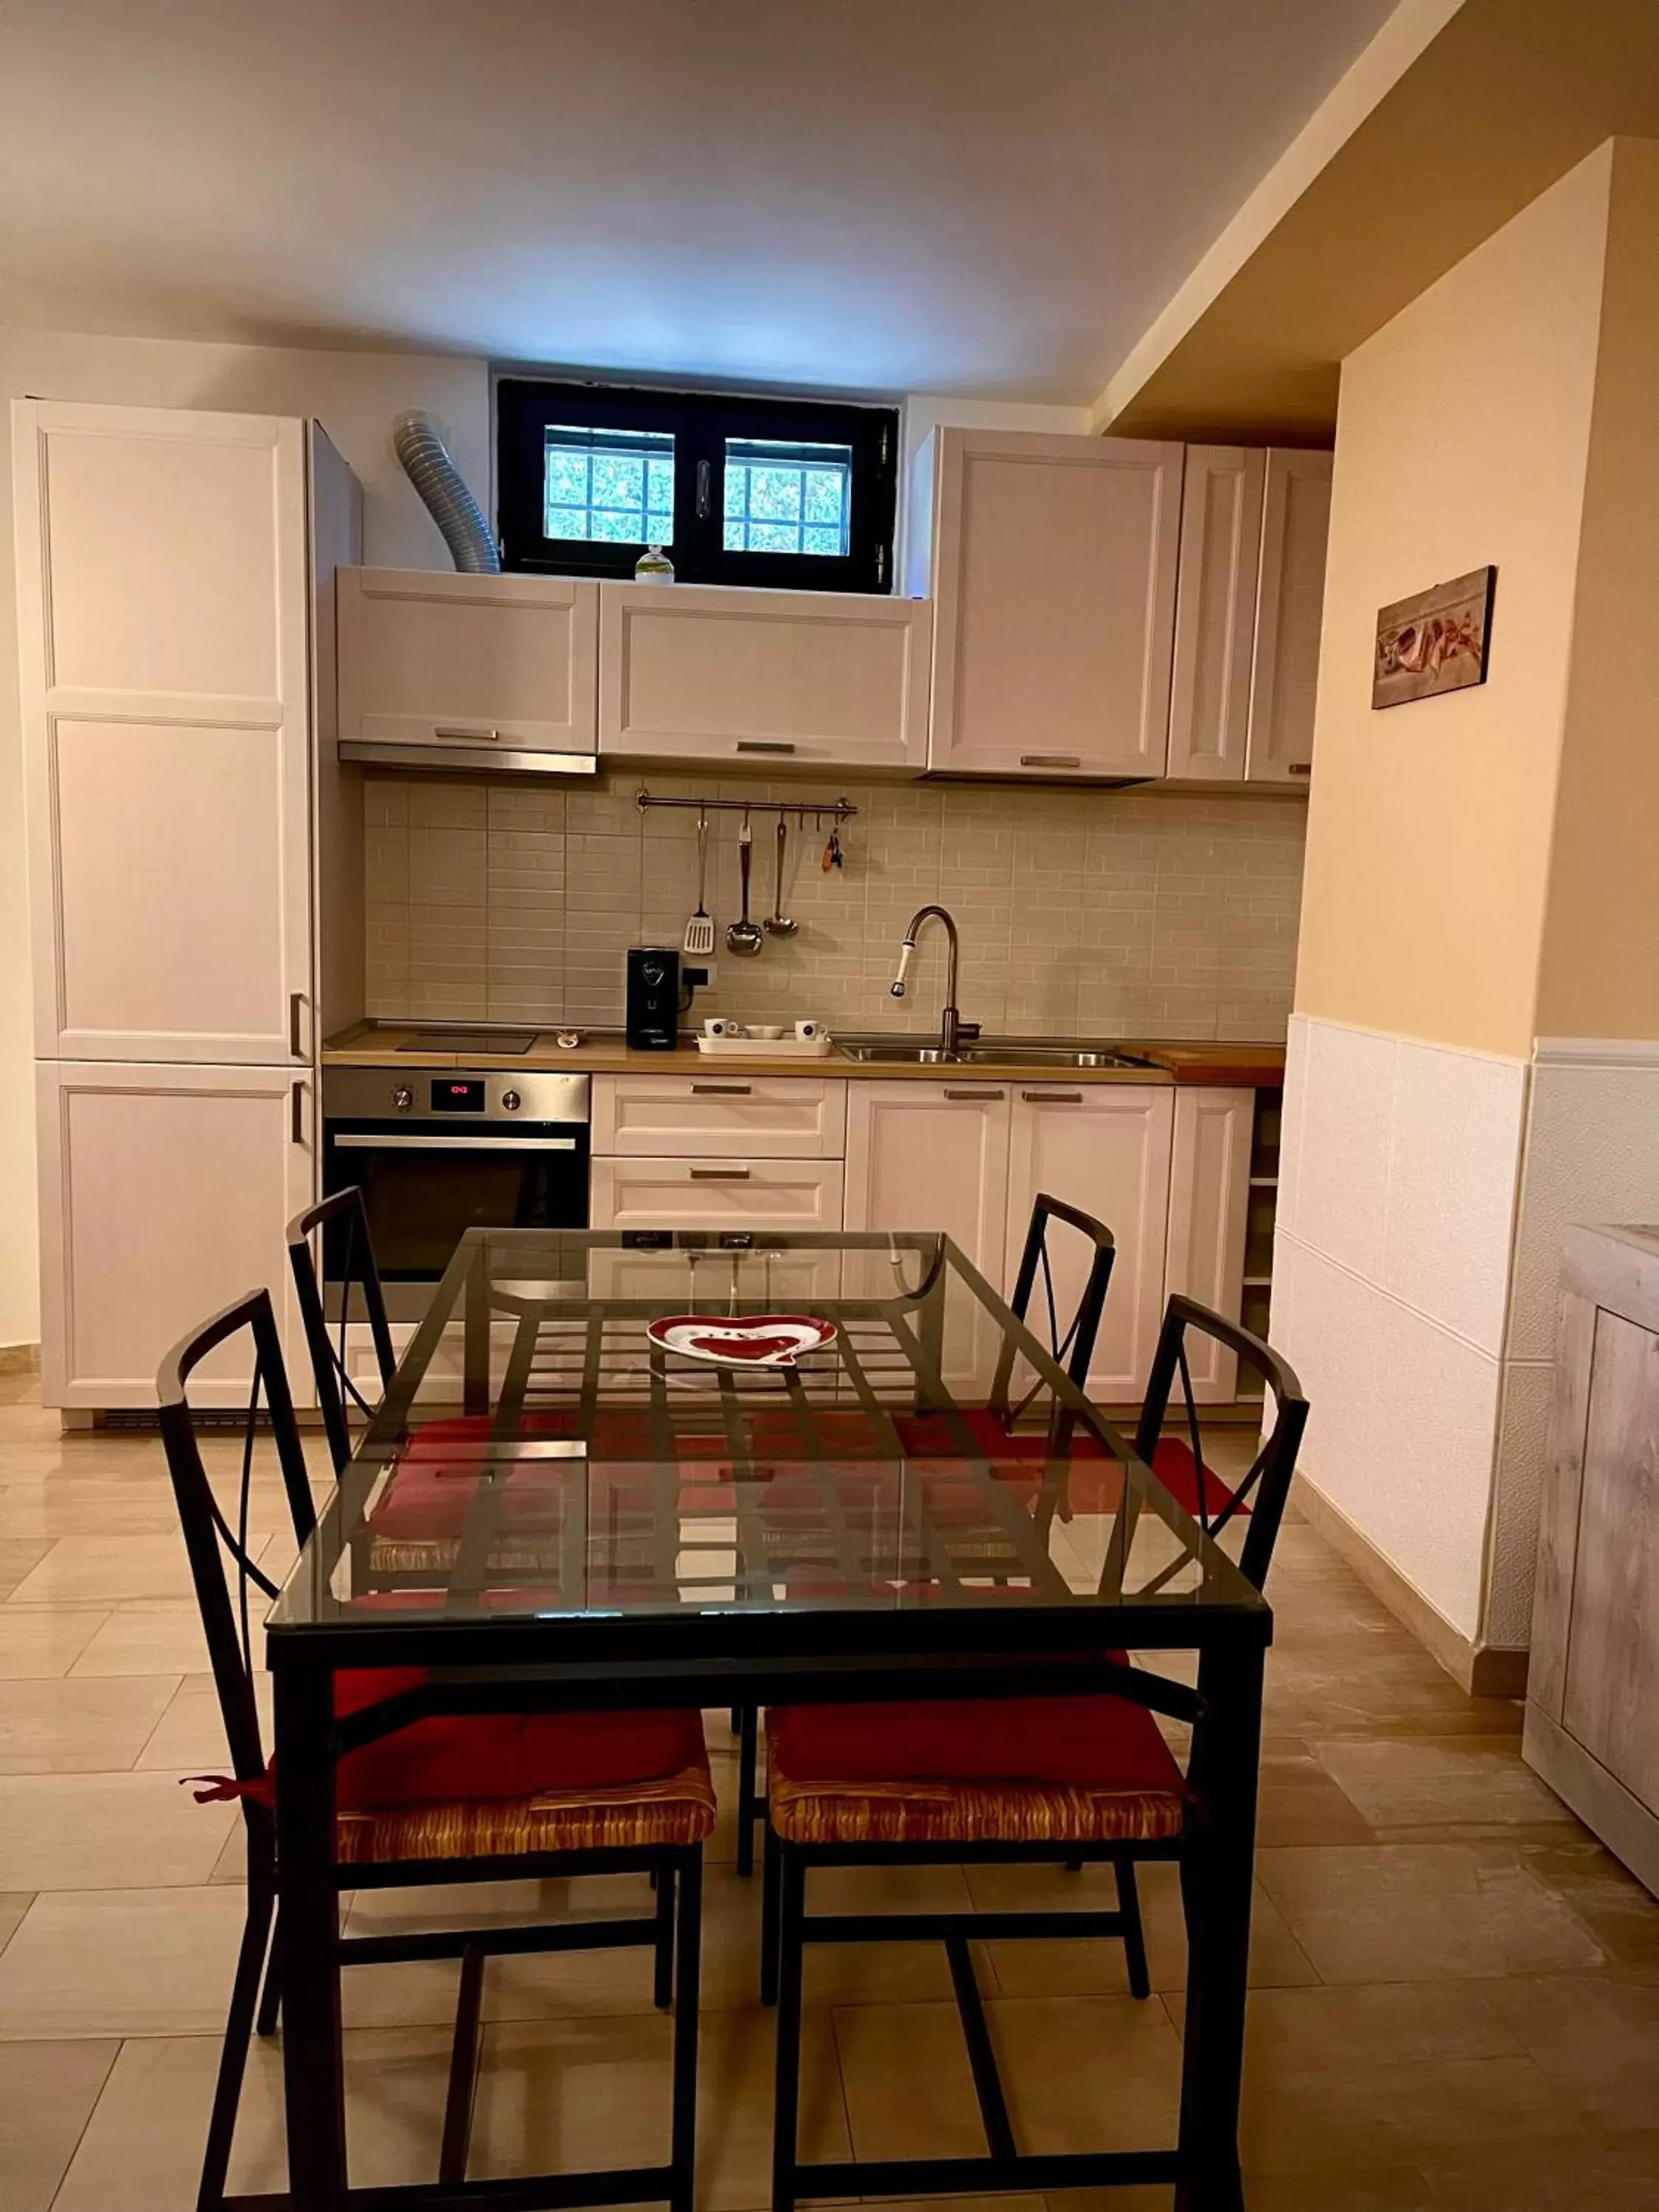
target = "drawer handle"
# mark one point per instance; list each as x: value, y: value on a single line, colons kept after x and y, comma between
x: 973, y: 1094
x: 1050, y: 760
x: 762, y: 745
x: 296, y: 1112
x: 721, y: 1089
x: 1052, y: 1097
x: 1299, y: 768
x: 297, y: 1000
x: 719, y: 1175
x: 469, y: 736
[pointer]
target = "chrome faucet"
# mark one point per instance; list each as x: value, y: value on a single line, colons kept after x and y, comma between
x: 953, y: 1030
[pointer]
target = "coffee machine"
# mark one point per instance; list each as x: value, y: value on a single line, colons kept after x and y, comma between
x: 653, y: 997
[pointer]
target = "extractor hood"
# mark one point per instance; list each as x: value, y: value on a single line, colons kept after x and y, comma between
x: 498, y: 759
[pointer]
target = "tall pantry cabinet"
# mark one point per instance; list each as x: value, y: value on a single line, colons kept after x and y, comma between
x: 175, y: 586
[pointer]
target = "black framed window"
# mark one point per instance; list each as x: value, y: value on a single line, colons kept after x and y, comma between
x: 799, y: 493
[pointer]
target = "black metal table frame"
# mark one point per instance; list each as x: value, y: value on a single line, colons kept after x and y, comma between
x: 720, y: 1657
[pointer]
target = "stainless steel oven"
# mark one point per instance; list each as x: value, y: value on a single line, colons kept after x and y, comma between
x: 438, y: 1151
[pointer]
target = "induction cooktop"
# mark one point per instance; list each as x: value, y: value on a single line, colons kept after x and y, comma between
x: 470, y: 1040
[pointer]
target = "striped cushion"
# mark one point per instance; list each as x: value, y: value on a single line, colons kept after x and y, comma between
x: 674, y: 1810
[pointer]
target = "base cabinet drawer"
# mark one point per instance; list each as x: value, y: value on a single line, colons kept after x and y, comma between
x: 730, y: 1117
x: 714, y: 1194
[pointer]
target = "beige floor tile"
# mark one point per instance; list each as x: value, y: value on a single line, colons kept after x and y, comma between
x: 82, y: 1506
x: 12, y: 1905
x: 1597, y: 2041
x: 1392, y: 1690
x: 107, y: 1832
x: 158, y: 1637
x: 1588, y: 2173
x: 189, y: 1735
x: 1447, y: 1782
x: 35, y: 1642
x: 905, y: 2077
x: 1612, y: 1904
x: 47, y: 2091
x: 19, y: 1556
x: 1088, y: 2073
x: 108, y: 1570
x: 1424, y: 1911
x: 1355, y: 2027
x: 83, y: 1726
x: 121, y: 1962
x: 1320, y: 2119
x: 1299, y: 1801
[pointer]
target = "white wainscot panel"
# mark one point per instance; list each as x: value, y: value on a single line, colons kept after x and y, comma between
x: 1326, y: 1324
x: 1342, y: 1165
x: 1522, y: 1449
x: 1454, y: 1159
x: 1592, y: 1155
x: 1290, y: 1139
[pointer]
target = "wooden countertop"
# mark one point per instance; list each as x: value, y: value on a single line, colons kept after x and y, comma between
x: 1238, y: 1066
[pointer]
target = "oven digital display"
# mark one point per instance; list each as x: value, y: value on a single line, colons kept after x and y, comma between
x: 451, y: 1096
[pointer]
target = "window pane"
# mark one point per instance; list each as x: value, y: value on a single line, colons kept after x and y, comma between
x: 609, y: 487
x: 786, y: 498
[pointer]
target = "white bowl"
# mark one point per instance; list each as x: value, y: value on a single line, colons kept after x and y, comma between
x: 770, y: 1032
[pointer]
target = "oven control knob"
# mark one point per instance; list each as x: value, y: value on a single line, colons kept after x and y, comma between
x: 403, y: 1098
x: 511, y: 1101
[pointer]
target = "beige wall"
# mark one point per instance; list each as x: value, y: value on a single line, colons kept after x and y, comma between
x: 1464, y: 438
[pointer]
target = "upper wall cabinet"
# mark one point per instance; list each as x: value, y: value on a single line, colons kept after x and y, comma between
x: 702, y: 672
x: 1052, y: 565
x: 1215, y: 611
x: 482, y: 666
x: 163, y: 582
x: 1290, y: 603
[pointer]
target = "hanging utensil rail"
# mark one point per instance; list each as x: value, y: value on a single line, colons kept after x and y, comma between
x: 840, y: 810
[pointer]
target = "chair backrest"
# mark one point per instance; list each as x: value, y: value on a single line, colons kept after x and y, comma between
x: 343, y: 1221
x: 1266, y: 1486
x: 1075, y: 1348
x: 216, y: 1541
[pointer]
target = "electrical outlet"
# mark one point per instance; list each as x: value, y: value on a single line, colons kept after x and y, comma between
x: 698, y: 979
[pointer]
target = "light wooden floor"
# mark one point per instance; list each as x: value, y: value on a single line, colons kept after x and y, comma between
x: 1457, y: 1992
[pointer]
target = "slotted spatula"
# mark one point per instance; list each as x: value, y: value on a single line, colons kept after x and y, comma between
x: 700, y: 930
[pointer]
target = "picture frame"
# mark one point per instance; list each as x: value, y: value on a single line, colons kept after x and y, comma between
x: 1435, y: 641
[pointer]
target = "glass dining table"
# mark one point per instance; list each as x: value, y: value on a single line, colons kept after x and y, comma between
x: 747, y: 1468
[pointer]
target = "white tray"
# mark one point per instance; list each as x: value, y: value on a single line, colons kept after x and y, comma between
x: 786, y: 1047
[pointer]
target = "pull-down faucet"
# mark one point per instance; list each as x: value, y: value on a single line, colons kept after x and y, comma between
x: 953, y: 1030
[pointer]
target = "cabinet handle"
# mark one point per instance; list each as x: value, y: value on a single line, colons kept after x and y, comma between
x: 721, y: 1089
x: 468, y: 737
x: 1299, y: 768
x: 973, y: 1094
x: 296, y: 1111
x: 1052, y: 1097
x: 297, y: 1000
x: 1050, y: 760
x: 719, y: 1175
x: 702, y: 491
x: 762, y: 745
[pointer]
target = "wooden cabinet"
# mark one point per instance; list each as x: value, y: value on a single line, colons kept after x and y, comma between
x: 716, y: 1193
x: 822, y: 678
x: 1052, y: 565
x: 163, y: 589
x: 1591, y: 1728
x: 164, y: 1192
x: 1209, y: 1198
x: 1105, y: 1147
x: 1290, y: 606
x: 718, y: 1117
x: 476, y: 664
x: 1215, y: 611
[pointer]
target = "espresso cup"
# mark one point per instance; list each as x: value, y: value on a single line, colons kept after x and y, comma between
x: 721, y: 1025
x: 808, y: 1032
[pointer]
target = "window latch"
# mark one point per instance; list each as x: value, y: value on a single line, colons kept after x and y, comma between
x: 702, y: 491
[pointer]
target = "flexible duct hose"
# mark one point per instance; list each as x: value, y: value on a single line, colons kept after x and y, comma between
x: 427, y: 463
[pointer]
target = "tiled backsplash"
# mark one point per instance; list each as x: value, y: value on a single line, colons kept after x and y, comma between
x: 1099, y: 913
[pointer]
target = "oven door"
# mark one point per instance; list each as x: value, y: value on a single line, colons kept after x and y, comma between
x: 424, y: 1186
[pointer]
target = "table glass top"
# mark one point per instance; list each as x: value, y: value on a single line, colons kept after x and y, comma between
x: 902, y: 1444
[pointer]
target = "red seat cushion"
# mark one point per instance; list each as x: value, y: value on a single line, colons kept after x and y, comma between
x: 1094, y: 1483
x: 1087, y: 1742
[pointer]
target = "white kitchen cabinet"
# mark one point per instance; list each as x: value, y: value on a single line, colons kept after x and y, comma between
x: 164, y: 1193
x: 1105, y: 1147
x: 827, y: 679
x: 474, y: 665
x: 1209, y: 1201
x: 1052, y: 565
x: 163, y: 587
x: 1290, y: 605
x: 719, y: 1115
x: 1215, y: 612
x: 934, y: 1156
x: 716, y: 1193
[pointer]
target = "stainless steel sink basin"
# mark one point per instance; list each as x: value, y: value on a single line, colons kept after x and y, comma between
x: 902, y: 1052
x: 908, y: 1055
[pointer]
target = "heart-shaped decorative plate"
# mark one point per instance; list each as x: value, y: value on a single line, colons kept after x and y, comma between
x: 741, y: 1339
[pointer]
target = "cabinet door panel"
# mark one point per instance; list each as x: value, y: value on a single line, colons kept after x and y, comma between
x: 465, y: 661
x: 163, y: 652
x: 1209, y: 1196
x: 1054, y: 582
x: 704, y: 673
x: 719, y: 1115
x: 1290, y: 608
x: 1215, y: 612
x: 919, y: 1157
x: 1105, y: 1147
x: 165, y: 1192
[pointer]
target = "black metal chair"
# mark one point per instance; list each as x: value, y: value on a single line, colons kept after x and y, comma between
x: 384, y: 1841
x: 994, y: 1423
x: 1137, y: 1805
x: 343, y: 1221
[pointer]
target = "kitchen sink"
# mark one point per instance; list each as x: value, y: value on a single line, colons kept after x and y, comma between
x: 908, y: 1055
x: 901, y: 1052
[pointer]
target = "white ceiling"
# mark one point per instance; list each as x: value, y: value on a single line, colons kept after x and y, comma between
x: 970, y: 195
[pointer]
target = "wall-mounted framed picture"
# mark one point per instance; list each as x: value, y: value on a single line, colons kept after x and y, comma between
x: 1437, y: 641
